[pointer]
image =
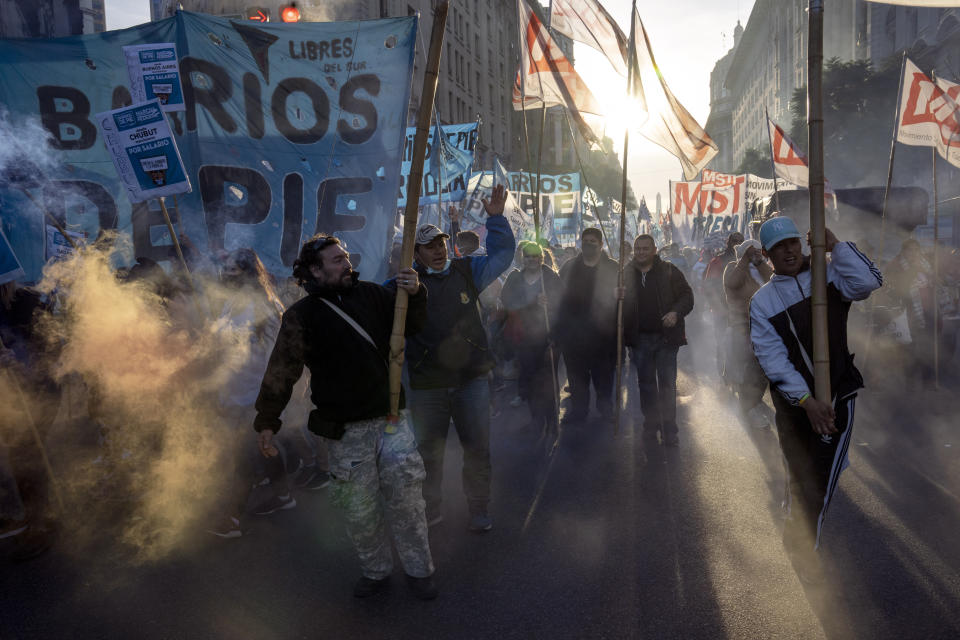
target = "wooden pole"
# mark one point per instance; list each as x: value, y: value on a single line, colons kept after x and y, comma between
x: 617, y: 400
x: 173, y: 236
x: 818, y: 262
x: 427, y: 95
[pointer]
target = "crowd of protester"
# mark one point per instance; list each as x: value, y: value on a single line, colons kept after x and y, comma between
x: 481, y: 315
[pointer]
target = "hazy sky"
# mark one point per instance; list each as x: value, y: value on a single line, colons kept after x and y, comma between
x: 687, y: 36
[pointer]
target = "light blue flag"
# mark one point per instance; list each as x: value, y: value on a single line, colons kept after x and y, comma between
x: 447, y: 162
x: 288, y: 130
x: 460, y: 141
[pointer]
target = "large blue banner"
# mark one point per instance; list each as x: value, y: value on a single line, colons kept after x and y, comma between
x: 289, y: 129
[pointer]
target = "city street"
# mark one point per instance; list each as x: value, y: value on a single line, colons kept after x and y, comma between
x: 609, y: 539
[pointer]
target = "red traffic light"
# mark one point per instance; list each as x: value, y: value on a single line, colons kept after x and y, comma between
x: 290, y: 14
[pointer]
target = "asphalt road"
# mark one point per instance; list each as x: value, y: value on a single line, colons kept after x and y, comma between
x: 607, y: 538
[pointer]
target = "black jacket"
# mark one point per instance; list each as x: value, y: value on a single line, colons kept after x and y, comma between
x: 589, y: 306
x: 673, y: 294
x: 452, y: 348
x: 349, y: 379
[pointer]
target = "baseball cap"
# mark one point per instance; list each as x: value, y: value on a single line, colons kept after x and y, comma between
x: 777, y: 229
x: 428, y: 232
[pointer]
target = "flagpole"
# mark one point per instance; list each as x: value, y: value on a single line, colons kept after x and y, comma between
x: 936, y: 263
x: 536, y: 224
x: 526, y: 130
x: 623, y: 211
x: 818, y: 263
x: 415, y: 181
x: 886, y: 198
x: 543, y: 122
x: 936, y: 275
x: 773, y: 163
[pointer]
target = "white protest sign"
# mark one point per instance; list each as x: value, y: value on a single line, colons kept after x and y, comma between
x: 144, y: 151
x: 154, y: 73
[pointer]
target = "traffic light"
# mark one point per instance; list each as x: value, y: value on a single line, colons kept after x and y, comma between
x: 290, y: 13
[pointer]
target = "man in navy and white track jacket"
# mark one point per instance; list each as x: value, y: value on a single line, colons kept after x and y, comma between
x: 814, y: 435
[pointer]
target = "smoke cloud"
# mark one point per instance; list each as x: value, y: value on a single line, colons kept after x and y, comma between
x: 153, y: 368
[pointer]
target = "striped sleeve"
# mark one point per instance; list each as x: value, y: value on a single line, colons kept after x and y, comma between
x: 854, y: 274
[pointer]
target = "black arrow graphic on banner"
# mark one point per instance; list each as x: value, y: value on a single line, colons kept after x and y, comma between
x: 259, y: 44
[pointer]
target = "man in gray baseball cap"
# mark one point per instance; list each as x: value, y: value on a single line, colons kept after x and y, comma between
x: 448, y: 360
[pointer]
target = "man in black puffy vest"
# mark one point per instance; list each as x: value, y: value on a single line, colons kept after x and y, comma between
x: 449, y: 359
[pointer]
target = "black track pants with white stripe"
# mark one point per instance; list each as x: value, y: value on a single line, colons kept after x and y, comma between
x: 813, y: 464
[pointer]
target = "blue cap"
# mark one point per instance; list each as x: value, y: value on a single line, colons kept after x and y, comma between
x: 776, y: 229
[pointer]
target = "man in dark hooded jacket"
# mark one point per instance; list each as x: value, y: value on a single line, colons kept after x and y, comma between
x: 587, y: 326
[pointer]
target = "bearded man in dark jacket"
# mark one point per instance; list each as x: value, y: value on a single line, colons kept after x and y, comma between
x: 341, y: 332
x: 657, y: 298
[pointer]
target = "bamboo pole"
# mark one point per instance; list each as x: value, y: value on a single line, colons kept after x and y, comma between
x: 818, y: 262
x: 617, y: 400
x: 427, y: 95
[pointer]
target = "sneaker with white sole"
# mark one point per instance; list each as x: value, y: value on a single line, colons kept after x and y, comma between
x: 275, y: 503
x: 229, y: 527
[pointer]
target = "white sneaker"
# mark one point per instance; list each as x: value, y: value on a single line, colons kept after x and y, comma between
x: 516, y: 402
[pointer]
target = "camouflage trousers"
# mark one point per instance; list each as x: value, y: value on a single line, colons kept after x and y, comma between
x: 378, y: 476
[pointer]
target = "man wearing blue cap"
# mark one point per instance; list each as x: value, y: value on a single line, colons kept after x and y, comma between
x: 814, y: 435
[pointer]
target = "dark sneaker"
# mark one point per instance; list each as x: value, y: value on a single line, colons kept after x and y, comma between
x: 304, y: 475
x: 229, y: 527
x: 671, y: 440
x: 320, y: 480
x: 423, y: 588
x: 366, y: 587
x: 275, y: 503
x: 480, y: 523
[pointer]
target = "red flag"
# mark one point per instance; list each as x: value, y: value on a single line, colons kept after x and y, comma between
x: 546, y: 78
x: 790, y: 162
